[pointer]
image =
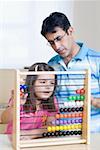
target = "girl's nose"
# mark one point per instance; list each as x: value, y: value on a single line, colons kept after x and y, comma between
x: 48, y: 86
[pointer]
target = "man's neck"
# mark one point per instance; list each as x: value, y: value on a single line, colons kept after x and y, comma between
x: 75, y: 50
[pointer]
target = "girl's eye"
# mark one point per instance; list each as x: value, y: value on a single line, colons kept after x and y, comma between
x: 42, y: 81
x: 52, y: 83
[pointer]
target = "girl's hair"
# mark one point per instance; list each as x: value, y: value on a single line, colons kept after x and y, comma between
x: 30, y: 104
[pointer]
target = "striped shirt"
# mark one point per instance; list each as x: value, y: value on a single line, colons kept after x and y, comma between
x: 85, y: 59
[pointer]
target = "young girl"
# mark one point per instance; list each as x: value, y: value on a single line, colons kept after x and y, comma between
x: 40, y: 105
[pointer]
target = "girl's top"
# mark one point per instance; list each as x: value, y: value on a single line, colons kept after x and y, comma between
x: 30, y: 120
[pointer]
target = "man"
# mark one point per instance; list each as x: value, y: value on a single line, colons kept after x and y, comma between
x: 58, y: 31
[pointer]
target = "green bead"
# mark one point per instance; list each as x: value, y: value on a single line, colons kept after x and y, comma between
x: 82, y: 97
x: 74, y: 98
x: 78, y: 97
x: 70, y: 98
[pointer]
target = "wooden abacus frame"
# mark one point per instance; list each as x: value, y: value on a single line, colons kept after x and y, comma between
x: 18, y: 144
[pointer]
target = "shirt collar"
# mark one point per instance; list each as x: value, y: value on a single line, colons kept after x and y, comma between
x: 80, y: 56
x: 82, y: 52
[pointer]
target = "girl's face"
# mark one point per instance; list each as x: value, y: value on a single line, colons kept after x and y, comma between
x: 44, y: 86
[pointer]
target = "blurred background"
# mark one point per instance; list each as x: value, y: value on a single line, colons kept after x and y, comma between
x: 21, y: 43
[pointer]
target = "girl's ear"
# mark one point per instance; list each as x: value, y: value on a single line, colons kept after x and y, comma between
x: 70, y: 31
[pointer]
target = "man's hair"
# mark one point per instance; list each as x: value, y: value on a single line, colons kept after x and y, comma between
x: 55, y: 19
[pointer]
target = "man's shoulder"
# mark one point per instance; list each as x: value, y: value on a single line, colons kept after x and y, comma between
x: 54, y: 59
x: 94, y: 54
x: 55, y: 62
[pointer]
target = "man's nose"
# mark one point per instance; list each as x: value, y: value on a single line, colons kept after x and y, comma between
x: 57, y: 45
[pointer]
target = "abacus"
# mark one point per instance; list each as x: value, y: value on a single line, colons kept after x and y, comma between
x: 71, y: 123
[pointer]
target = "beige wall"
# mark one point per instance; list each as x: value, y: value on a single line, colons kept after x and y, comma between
x: 87, y: 22
x: 7, y: 83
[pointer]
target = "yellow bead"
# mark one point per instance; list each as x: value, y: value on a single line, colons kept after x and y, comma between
x: 57, y: 128
x: 49, y: 128
x: 76, y: 126
x: 53, y: 128
x: 69, y: 127
x: 72, y: 126
x: 65, y: 127
x: 79, y: 126
x: 61, y: 128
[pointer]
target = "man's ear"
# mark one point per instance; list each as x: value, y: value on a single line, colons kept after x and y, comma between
x: 70, y: 31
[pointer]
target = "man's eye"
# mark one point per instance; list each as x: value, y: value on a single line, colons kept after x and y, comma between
x: 51, y: 42
x: 58, y: 38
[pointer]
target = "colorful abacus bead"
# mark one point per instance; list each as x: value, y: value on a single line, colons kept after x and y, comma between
x: 49, y: 128
x: 61, y: 110
x: 65, y: 109
x: 82, y: 97
x: 78, y: 97
x: 81, y: 109
x: 82, y: 91
x: 23, y: 87
x: 53, y: 128
x: 64, y: 133
x: 64, y: 121
x: 80, y: 120
x: 69, y: 110
x: 61, y: 115
x: 57, y: 128
x: 57, y: 116
x: 44, y: 134
x: 79, y: 132
x: 74, y: 98
x: 75, y: 132
x: 61, y: 122
x: 73, y: 109
x: 57, y: 122
x: 48, y: 134
x: 56, y: 133
x: 76, y: 109
x: 52, y: 134
x: 78, y: 91
x: 67, y: 132
x: 60, y: 133
x: 71, y: 132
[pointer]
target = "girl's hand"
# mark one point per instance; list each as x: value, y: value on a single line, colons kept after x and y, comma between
x: 44, y: 120
x: 50, y: 119
x: 23, y: 99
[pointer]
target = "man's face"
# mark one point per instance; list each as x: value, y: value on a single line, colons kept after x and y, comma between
x: 61, y: 41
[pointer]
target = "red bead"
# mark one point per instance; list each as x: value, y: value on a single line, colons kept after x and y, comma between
x: 82, y: 91
x: 78, y: 91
